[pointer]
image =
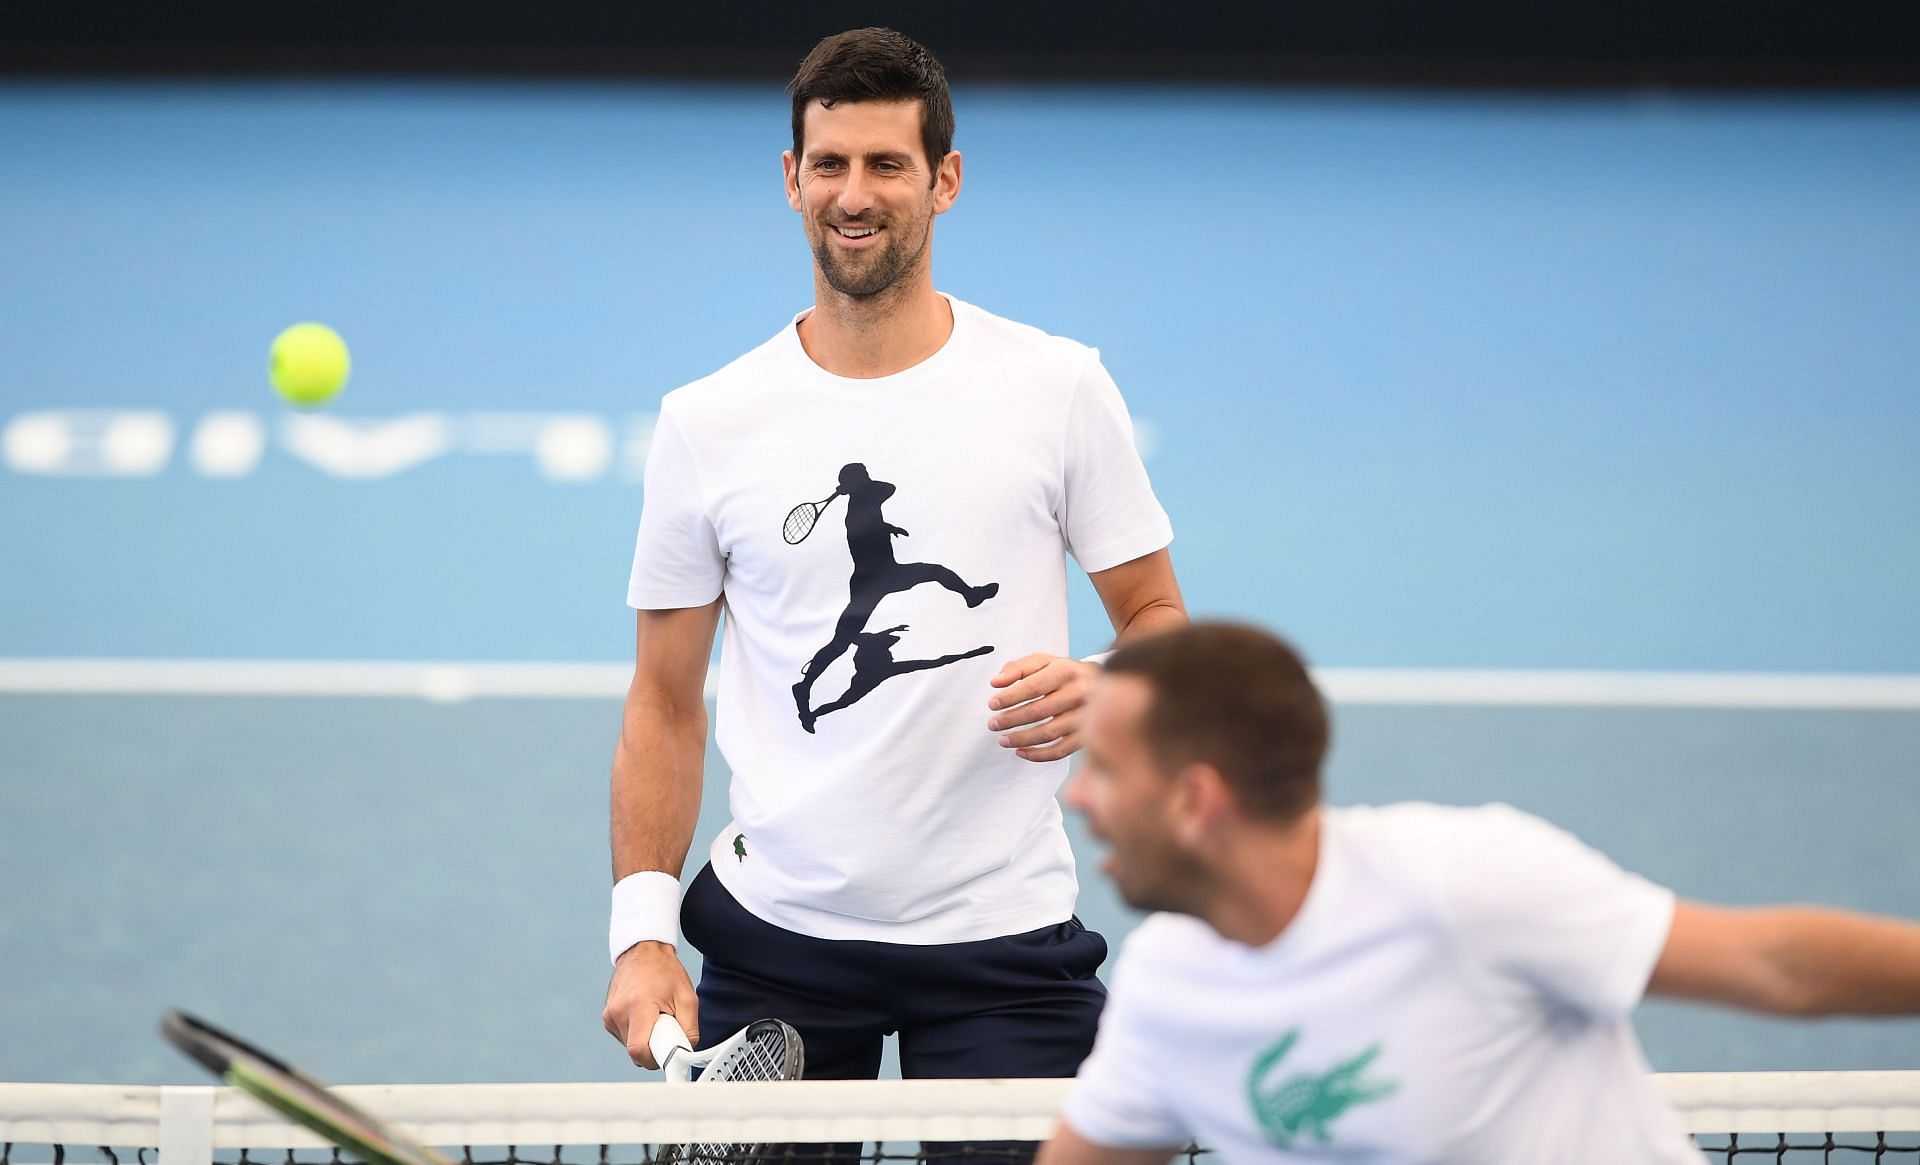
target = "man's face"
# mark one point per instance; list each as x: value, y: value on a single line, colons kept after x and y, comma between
x: 866, y: 192
x: 1129, y: 802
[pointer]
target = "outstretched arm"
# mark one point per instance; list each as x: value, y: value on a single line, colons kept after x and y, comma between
x: 1042, y: 695
x: 1791, y: 960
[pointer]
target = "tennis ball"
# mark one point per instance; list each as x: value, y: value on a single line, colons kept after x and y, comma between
x: 308, y: 364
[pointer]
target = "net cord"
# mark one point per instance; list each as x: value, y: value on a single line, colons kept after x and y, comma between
x: 190, y: 1124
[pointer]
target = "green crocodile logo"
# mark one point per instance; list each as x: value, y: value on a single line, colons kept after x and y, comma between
x: 740, y: 846
x: 1309, y: 1103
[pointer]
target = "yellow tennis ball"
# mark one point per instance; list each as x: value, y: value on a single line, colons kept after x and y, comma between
x: 308, y: 364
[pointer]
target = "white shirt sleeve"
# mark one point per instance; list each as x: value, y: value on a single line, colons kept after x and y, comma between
x: 1116, y: 1100
x: 676, y: 558
x: 1533, y: 904
x: 1108, y: 512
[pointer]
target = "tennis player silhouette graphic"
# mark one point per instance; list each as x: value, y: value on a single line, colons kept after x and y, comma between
x: 875, y: 576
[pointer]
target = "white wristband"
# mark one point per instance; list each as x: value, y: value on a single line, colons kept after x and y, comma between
x: 1099, y: 657
x: 646, y: 908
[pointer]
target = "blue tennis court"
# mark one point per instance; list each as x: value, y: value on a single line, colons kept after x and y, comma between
x: 1583, y: 383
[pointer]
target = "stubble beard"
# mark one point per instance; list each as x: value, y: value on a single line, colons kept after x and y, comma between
x: 1167, y: 880
x: 872, y: 276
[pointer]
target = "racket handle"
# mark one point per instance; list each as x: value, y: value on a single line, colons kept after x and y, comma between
x: 668, y: 1037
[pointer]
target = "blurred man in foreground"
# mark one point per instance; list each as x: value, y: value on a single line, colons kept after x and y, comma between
x: 1398, y: 983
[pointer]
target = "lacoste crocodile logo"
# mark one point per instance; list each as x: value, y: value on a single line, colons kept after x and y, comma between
x: 1309, y: 1103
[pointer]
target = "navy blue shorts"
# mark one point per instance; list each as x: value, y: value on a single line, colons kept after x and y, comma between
x: 1024, y: 1005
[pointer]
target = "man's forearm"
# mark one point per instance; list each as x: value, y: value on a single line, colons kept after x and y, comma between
x: 1837, y: 963
x: 657, y: 770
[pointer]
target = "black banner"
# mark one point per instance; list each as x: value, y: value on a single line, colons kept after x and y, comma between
x: 1501, y: 42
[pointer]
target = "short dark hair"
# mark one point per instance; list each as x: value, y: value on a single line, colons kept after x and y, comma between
x: 1239, y: 699
x: 875, y: 64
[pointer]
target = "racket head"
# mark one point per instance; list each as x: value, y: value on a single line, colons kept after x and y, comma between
x: 294, y: 1094
x: 766, y: 1049
x: 799, y: 523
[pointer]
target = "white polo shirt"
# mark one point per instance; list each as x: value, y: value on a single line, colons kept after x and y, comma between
x: 1455, y: 988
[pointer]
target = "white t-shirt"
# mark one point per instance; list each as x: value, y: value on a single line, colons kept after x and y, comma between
x: 1456, y: 988
x: 964, y: 482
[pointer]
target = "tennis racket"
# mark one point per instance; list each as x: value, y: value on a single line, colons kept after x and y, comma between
x: 801, y: 518
x: 294, y: 1094
x: 765, y: 1049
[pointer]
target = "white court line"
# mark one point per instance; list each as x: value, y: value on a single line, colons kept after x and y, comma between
x: 452, y: 682
x: 440, y: 682
x: 1608, y: 689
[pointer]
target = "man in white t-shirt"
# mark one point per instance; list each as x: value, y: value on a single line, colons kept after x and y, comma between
x: 1406, y: 983
x: 881, y: 499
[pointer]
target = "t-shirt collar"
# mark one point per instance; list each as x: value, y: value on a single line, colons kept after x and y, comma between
x: 871, y: 386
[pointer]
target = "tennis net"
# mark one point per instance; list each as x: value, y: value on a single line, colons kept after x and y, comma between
x: 1734, y: 1117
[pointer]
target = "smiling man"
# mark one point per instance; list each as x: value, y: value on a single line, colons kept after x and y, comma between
x: 881, y: 499
x: 1401, y: 983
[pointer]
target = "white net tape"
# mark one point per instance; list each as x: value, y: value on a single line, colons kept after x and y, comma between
x: 193, y: 1124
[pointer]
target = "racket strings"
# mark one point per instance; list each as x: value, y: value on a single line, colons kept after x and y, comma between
x: 764, y: 1058
x: 763, y: 1055
x: 800, y: 521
